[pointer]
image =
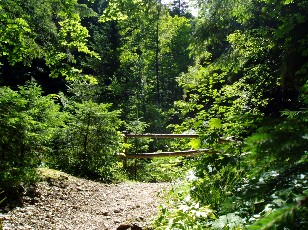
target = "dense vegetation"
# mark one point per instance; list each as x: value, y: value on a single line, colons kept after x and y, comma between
x: 75, y: 74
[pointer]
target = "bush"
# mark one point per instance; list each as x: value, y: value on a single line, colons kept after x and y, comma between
x: 88, y: 144
x: 160, y: 169
x: 27, y: 123
x: 265, y: 187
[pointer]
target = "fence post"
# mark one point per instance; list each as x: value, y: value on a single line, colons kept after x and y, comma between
x: 125, y: 145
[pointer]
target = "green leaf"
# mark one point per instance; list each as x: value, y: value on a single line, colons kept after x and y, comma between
x: 286, y: 2
x: 215, y: 123
x: 195, y: 143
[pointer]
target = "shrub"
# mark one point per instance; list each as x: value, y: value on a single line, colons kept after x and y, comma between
x: 88, y: 144
x: 27, y: 124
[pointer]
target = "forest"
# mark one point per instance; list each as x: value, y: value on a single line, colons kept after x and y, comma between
x: 76, y: 74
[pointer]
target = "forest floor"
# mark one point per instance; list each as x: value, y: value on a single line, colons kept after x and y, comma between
x: 61, y: 201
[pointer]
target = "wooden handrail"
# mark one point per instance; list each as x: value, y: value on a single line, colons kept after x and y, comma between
x: 166, y: 136
x: 127, y: 135
x: 163, y: 136
x: 165, y: 154
x: 124, y: 156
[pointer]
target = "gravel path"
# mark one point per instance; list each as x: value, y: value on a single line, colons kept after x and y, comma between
x: 71, y: 203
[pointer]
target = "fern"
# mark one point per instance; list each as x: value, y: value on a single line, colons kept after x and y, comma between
x: 276, y: 217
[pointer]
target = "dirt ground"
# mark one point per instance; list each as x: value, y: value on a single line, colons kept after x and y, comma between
x: 66, y: 202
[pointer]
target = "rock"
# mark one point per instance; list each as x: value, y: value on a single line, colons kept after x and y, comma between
x: 106, y: 213
x: 124, y: 226
x: 117, y: 210
x: 136, y: 227
x: 116, y: 221
x: 141, y: 218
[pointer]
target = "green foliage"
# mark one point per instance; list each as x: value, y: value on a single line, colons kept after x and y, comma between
x: 249, y: 82
x: 137, y: 145
x: 279, y: 138
x: 166, y: 169
x: 277, y: 216
x: 83, y: 88
x: 265, y: 188
x: 156, y: 169
x: 28, y: 122
x: 228, y: 221
x: 174, y: 41
x: 278, y: 178
x: 47, y: 31
x: 186, y: 217
x: 182, y: 212
x: 88, y: 144
x: 83, y: 139
x: 72, y: 37
x: 152, y: 51
x: 219, y: 183
x: 16, y: 41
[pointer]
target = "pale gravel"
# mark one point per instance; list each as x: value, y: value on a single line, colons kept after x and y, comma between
x: 73, y: 203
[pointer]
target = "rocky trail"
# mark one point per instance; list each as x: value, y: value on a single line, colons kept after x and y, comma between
x: 66, y: 202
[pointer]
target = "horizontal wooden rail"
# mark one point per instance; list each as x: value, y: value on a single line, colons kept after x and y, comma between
x: 127, y: 135
x: 153, y: 135
x: 166, y: 154
x: 166, y: 136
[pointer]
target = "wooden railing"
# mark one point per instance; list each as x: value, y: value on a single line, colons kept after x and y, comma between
x: 125, y: 156
x: 161, y: 154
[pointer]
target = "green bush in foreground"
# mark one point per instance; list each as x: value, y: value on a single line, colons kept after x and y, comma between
x: 264, y: 187
x: 27, y: 123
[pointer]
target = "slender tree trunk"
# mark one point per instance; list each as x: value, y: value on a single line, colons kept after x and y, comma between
x: 157, y: 54
x: 157, y: 68
x: 86, y: 137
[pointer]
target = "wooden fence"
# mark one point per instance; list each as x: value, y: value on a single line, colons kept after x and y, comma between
x: 126, y: 155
